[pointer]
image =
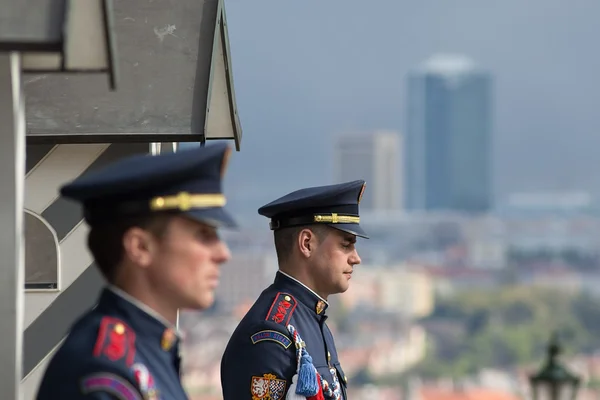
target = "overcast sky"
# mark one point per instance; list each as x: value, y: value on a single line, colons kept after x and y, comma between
x: 308, y: 70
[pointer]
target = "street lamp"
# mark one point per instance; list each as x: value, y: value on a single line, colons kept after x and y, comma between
x: 554, y: 381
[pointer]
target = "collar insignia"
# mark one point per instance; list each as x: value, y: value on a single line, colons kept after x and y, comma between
x: 168, y: 339
x: 320, y: 307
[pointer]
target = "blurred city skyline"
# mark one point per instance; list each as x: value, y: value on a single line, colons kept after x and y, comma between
x: 304, y: 76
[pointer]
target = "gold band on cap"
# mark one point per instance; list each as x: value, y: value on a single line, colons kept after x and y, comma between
x: 335, y: 218
x: 185, y: 201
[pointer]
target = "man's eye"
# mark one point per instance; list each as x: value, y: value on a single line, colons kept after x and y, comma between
x: 206, y: 235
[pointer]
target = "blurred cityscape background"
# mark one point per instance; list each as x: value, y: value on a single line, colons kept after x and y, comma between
x: 474, y: 125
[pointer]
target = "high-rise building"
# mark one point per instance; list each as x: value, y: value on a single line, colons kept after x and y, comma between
x: 374, y: 157
x: 448, y: 149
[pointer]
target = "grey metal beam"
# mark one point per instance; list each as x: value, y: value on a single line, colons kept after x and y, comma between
x: 65, y: 214
x: 12, y: 264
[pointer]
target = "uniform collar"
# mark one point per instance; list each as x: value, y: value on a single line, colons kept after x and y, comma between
x: 300, y: 291
x: 142, y: 319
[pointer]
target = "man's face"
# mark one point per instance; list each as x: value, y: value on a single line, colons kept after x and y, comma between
x: 185, y: 265
x: 333, y: 261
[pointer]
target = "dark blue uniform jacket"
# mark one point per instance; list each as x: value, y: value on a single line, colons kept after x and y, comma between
x: 118, y: 350
x: 260, y: 358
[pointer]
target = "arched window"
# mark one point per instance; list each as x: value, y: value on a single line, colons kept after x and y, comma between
x: 42, y: 254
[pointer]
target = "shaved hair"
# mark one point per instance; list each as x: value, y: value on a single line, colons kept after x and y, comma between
x: 285, y: 239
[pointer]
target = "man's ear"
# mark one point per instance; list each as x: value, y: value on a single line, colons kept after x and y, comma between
x: 307, y: 242
x: 139, y: 246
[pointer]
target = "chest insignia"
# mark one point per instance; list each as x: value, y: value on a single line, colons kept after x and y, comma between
x: 308, y: 382
x: 145, y: 381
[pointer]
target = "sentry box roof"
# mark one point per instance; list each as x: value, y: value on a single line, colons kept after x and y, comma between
x: 175, y: 81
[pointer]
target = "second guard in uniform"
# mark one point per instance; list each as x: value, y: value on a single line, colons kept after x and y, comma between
x: 154, y: 238
x: 283, y: 348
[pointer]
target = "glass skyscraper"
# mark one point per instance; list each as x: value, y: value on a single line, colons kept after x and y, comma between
x: 448, y: 143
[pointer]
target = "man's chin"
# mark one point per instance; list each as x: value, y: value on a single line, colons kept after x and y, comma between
x: 201, y: 303
x: 343, y: 287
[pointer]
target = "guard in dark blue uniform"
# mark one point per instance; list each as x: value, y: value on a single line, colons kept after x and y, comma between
x: 283, y: 348
x: 153, y: 223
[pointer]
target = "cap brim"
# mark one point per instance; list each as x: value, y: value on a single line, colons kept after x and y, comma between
x: 217, y: 217
x: 354, y: 229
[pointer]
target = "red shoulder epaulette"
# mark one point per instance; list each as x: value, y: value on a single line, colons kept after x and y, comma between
x: 282, y: 309
x: 116, y: 341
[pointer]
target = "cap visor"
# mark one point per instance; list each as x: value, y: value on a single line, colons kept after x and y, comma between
x: 216, y: 217
x: 354, y: 229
